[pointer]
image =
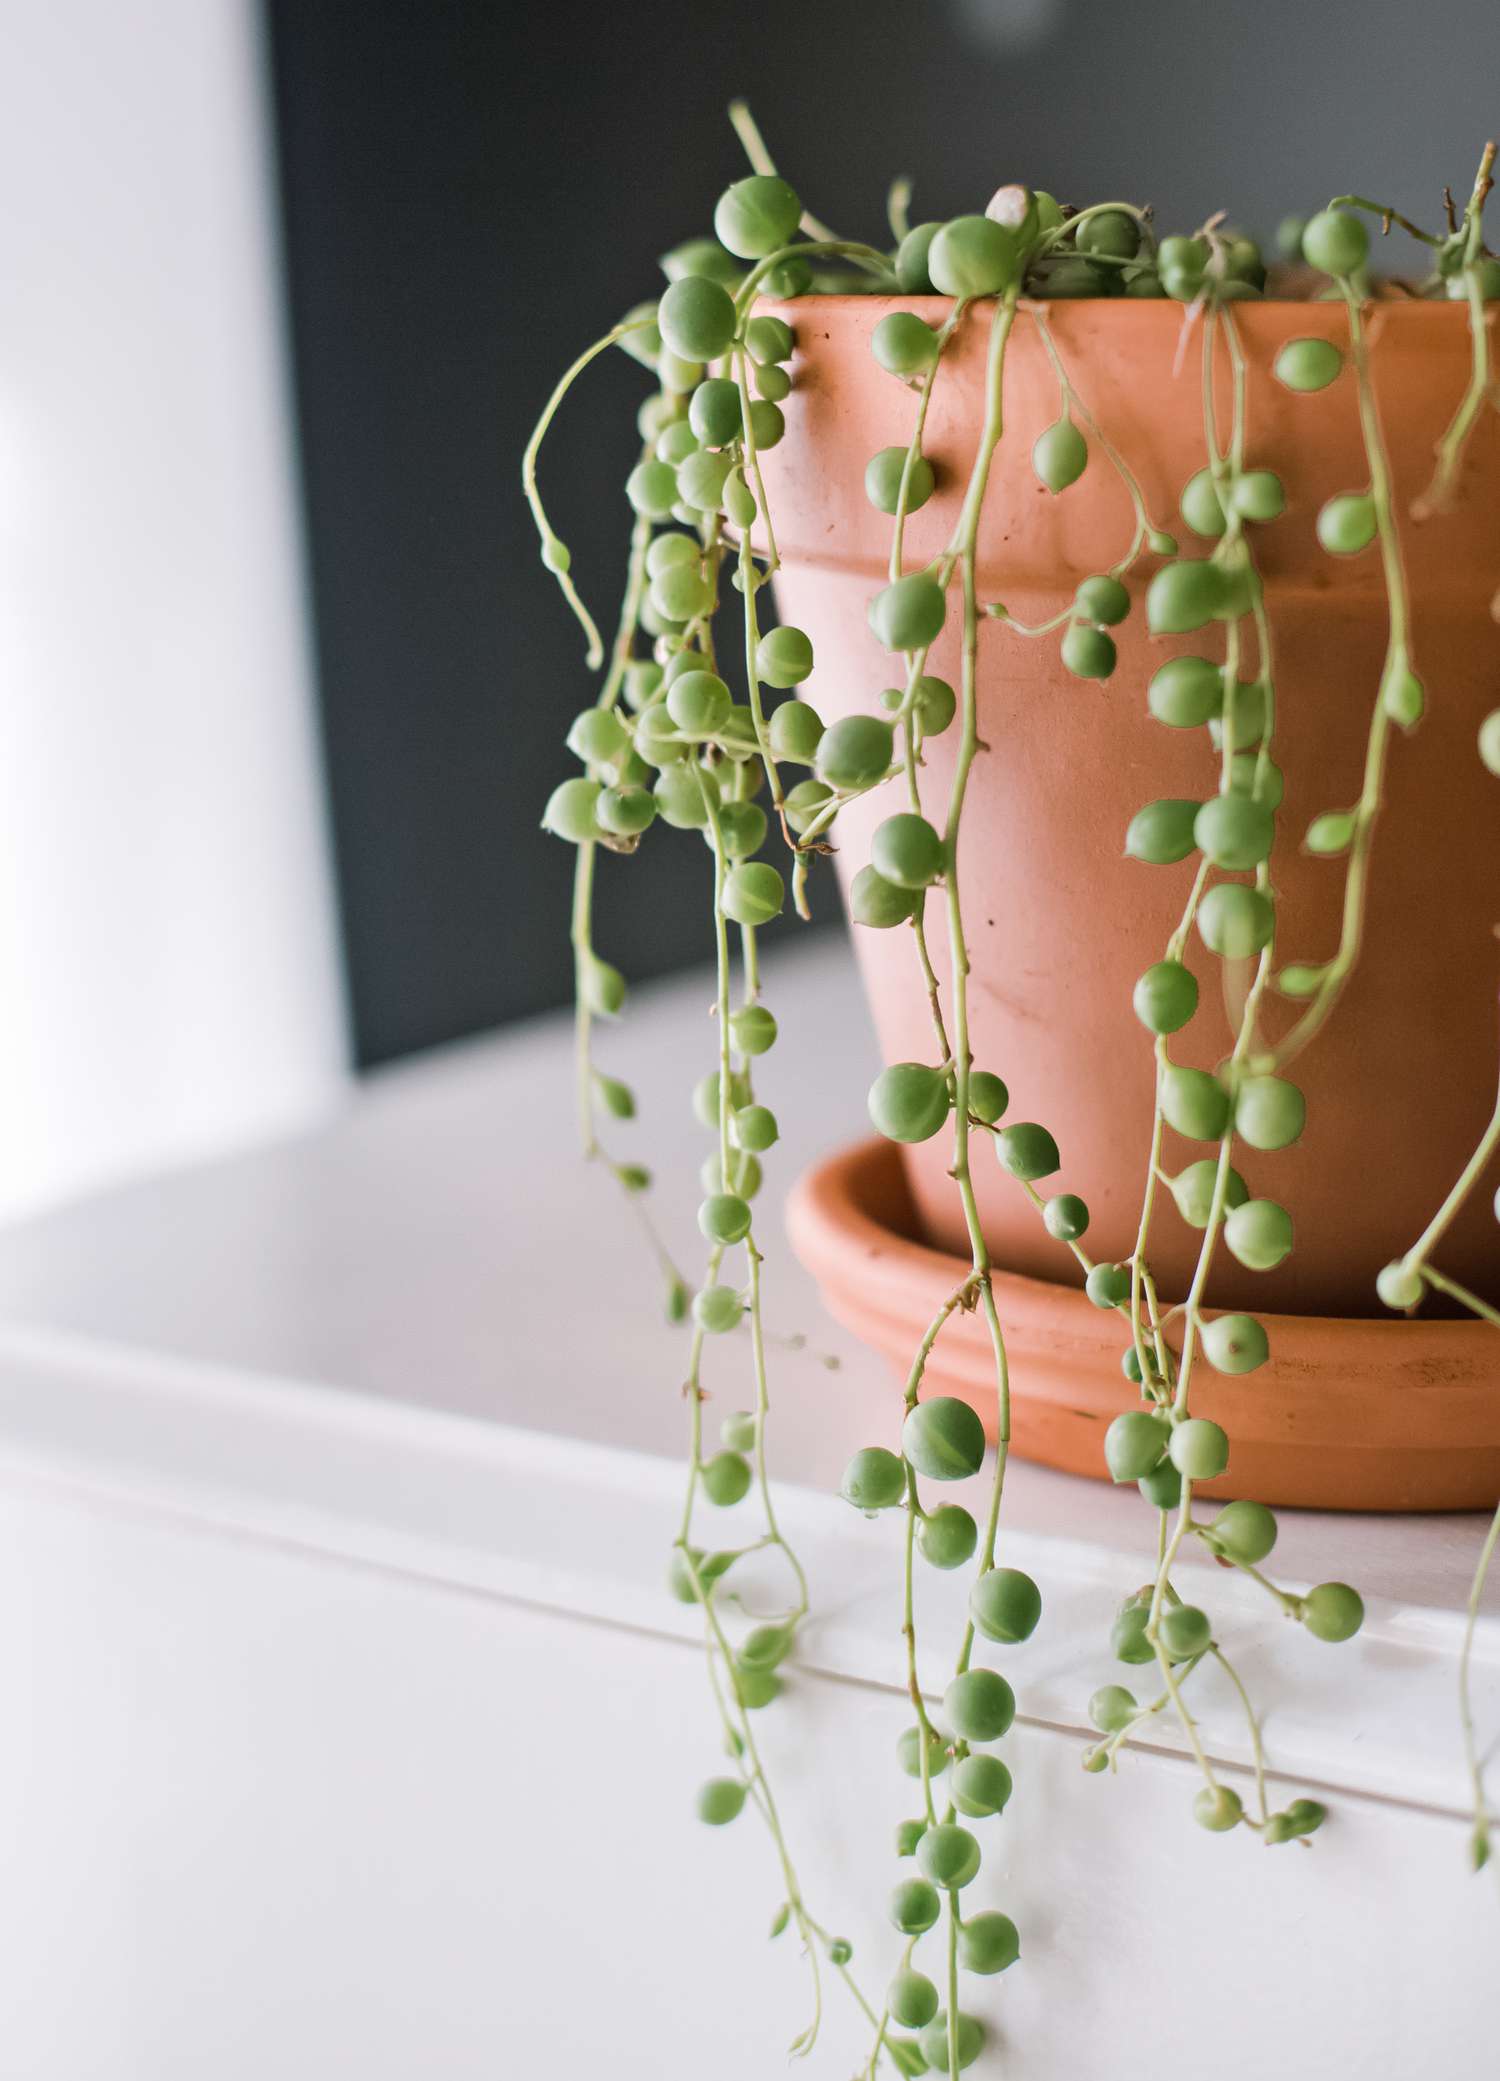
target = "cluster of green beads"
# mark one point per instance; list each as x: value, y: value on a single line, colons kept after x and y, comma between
x: 670, y: 742
x: 1231, y: 834
x: 942, y: 1440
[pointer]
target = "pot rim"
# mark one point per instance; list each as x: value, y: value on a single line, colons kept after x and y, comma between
x: 829, y: 1216
x: 1149, y: 306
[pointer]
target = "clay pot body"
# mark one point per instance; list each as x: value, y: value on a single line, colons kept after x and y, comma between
x: 1401, y: 1082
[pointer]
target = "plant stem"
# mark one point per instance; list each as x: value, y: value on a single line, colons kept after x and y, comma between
x: 583, y: 1018
x: 747, y: 130
x: 1256, y: 1749
x: 1144, y: 525
x: 1463, y: 1185
x: 1450, y: 447
x: 1367, y: 809
x: 1465, y: 1703
x: 533, y: 492
x: 1461, y: 1294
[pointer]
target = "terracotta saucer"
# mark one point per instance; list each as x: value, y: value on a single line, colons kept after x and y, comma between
x: 1348, y: 1414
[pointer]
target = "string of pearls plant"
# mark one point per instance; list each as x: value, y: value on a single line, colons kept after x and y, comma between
x: 668, y: 742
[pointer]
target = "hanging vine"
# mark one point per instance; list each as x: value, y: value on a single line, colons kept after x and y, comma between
x: 667, y: 740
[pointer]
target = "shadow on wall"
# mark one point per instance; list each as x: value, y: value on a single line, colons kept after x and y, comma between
x: 471, y: 194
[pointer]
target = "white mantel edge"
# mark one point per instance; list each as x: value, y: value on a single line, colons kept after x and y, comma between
x: 585, y: 1530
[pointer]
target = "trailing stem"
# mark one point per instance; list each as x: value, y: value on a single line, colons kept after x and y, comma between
x: 1396, y: 672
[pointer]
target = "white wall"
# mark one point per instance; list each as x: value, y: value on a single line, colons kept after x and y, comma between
x: 168, y: 969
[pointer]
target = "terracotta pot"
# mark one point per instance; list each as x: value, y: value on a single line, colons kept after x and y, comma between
x: 1350, y: 1415
x: 1400, y: 1083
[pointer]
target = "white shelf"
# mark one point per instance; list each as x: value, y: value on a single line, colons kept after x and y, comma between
x: 438, y: 1248
x: 423, y: 1342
